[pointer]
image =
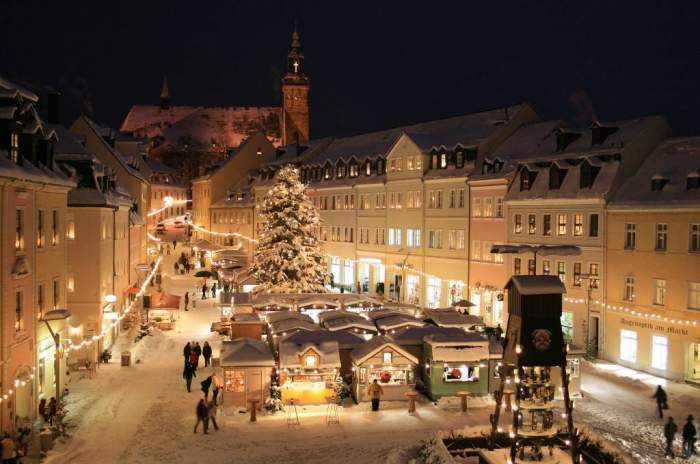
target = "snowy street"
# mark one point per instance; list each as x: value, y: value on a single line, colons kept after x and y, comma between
x: 143, y: 413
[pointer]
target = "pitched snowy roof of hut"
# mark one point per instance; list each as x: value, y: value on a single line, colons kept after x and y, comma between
x: 537, y: 285
x: 286, y: 325
x: 415, y: 335
x: 344, y: 339
x: 290, y: 353
x: 375, y: 345
x: 451, y: 318
x: 399, y: 320
x: 246, y: 352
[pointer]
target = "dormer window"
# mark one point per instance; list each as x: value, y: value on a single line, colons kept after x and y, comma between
x: 588, y: 174
x: 443, y: 160
x: 556, y: 177
x: 341, y: 170
x: 657, y: 183
x: 564, y: 139
x: 527, y: 178
x: 310, y: 361
x: 381, y: 167
x: 354, y: 169
x: 600, y: 133
x: 368, y: 168
x: 433, y: 161
x: 327, y: 172
x: 459, y: 159
x: 471, y: 153
x: 486, y: 167
x: 497, y: 166
x: 14, y: 147
x: 693, y: 181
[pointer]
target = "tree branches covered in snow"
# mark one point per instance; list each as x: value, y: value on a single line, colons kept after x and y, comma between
x: 288, y: 255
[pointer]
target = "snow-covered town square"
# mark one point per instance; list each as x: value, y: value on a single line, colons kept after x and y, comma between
x: 316, y: 232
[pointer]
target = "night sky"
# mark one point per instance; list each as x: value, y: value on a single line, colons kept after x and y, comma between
x: 372, y: 65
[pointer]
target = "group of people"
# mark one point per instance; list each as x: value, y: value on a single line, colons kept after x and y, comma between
x: 11, y: 449
x: 689, y: 432
x: 206, y: 409
x: 48, y: 411
x: 183, y: 265
x: 206, y: 290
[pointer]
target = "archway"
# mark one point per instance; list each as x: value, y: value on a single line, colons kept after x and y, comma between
x: 24, y: 394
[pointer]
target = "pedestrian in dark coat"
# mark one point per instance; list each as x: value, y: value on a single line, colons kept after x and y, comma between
x: 204, y: 291
x: 197, y: 349
x: 187, y: 300
x: 202, y: 416
x: 213, y: 290
x: 53, y: 409
x: 661, y: 400
x: 206, y: 385
x: 206, y: 352
x: 689, y: 434
x: 670, y: 430
x: 43, y: 411
x: 211, y: 408
x: 187, y: 374
x: 186, y: 351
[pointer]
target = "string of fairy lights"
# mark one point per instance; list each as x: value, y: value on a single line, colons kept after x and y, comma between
x: 409, y: 270
x: 168, y: 202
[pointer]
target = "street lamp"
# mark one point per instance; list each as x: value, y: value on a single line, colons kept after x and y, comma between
x: 56, y: 315
x: 591, y: 350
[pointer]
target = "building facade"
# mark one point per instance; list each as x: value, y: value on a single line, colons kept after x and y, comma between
x: 653, y: 265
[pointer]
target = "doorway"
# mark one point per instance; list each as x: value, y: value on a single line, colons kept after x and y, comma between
x: 594, y: 336
x: 694, y: 361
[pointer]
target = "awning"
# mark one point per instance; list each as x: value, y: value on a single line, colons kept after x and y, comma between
x: 164, y: 301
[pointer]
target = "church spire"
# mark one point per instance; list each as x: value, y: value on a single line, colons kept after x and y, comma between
x: 295, y: 90
x: 165, y: 95
x: 295, y: 58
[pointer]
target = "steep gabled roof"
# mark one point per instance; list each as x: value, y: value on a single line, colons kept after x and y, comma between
x: 371, y: 347
x: 246, y: 352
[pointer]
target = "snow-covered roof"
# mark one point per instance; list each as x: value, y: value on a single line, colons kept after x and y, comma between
x: 287, y: 325
x: 371, y: 347
x: 537, y: 285
x: 68, y: 146
x: 451, y: 318
x: 344, y: 339
x: 278, y: 316
x: 290, y: 353
x: 244, y: 352
x: 466, y: 130
x: 455, y: 338
x: 415, y: 335
x: 90, y: 197
x: 29, y: 172
x: 465, y: 347
x: 398, y: 320
x: 246, y: 318
x: 351, y: 321
x: 214, y: 127
x: 333, y: 314
x: 674, y: 160
x: 10, y: 89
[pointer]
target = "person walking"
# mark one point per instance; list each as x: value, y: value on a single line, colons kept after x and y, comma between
x: 375, y: 392
x: 206, y: 385
x: 174, y: 244
x: 661, y: 400
x: 187, y: 300
x: 194, y: 302
x: 670, y: 430
x: 213, y: 290
x: 197, y: 349
x: 43, y: 411
x: 211, y: 408
x: 689, y: 434
x: 186, y: 351
x: 206, y: 352
x: 202, y: 416
x: 187, y: 374
x: 204, y: 291
x: 216, y: 383
x: 53, y: 409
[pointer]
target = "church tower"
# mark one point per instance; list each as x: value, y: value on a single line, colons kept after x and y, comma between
x: 295, y: 90
x: 165, y: 95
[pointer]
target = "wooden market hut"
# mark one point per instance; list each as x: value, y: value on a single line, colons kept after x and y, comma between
x: 392, y: 366
x: 308, y: 371
x: 347, y: 342
x: 457, y: 361
x: 247, y: 366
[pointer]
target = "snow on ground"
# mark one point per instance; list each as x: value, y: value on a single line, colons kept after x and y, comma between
x: 143, y: 413
x: 618, y: 406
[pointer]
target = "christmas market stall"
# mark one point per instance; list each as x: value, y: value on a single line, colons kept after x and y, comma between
x: 388, y: 363
x: 455, y: 362
x: 347, y: 342
x: 247, y: 325
x: 247, y: 366
x: 164, y: 310
x: 308, y: 371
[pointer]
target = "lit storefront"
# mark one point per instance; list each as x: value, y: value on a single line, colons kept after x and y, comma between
x: 413, y: 289
x: 308, y: 372
x: 661, y: 346
x: 433, y: 292
x: 390, y: 365
x: 488, y: 304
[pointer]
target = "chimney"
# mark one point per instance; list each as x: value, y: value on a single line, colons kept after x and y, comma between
x: 53, y: 99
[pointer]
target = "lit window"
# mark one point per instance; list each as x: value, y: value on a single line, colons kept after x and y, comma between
x: 630, y: 236
x: 659, y: 352
x: 628, y: 294
x: 659, y: 292
x: 310, y: 361
x: 476, y: 208
x: 387, y: 357
x: 693, y: 295
x: 661, y: 237
x: 19, y: 230
x: 518, y: 224
x: 628, y: 345
x: 40, y: 239
x: 578, y: 225
x: 19, y: 310
x: 694, y: 242
x: 561, y: 225
x: 531, y: 224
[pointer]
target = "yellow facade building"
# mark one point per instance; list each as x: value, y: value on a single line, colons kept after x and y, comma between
x: 653, y: 265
